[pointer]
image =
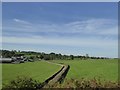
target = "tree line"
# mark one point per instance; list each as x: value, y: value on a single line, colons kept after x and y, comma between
x: 44, y: 56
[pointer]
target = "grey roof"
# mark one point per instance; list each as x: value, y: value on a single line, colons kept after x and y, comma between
x: 5, y: 59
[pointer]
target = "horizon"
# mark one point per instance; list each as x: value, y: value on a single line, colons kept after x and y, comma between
x: 66, y: 28
x: 55, y: 53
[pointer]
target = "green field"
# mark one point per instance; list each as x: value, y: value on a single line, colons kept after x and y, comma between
x: 0, y: 77
x: 104, y: 69
x: 38, y: 70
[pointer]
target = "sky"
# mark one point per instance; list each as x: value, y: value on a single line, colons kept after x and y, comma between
x: 67, y: 28
x: 60, y: 0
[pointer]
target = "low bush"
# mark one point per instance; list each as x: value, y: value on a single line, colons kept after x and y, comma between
x: 83, y: 84
x: 22, y: 83
x: 25, y: 83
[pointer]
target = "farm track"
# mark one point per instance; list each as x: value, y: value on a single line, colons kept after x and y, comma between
x: 57, y: 77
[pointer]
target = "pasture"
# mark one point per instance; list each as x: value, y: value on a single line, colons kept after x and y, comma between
x: 38, y: 70
x: 0, y: 76
x: 104, y: 69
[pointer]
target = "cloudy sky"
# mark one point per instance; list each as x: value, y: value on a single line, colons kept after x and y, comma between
x: 67, y: 28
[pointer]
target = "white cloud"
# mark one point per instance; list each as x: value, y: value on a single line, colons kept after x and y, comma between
x: 110, y: 31
x: 100, y: 33
x: 80, y: 42
x: 21, y: 21
x: 92, y: 27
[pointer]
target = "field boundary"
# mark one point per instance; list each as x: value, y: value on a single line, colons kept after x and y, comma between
x: 57, y: 77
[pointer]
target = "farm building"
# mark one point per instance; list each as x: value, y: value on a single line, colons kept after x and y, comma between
x: 18, y: 58
x: 15, y: 60
x: 6, y: 60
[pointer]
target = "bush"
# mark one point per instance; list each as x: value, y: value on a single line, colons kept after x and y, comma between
x: 86, y: 84
x: 25, y: 83
x: 22, y: 83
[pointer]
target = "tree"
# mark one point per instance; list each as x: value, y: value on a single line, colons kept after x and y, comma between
x: 7, y: 54
x: 46, y: 57
x: 71, y: 57
x: 31, y: 57
x: 41, y: 56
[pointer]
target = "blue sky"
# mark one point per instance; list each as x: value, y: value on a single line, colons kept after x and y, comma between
x: 67, y: 28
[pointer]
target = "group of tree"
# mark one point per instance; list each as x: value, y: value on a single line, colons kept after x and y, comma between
x: 52, y: 56
x: 44, y: 56
x: 7, y: 53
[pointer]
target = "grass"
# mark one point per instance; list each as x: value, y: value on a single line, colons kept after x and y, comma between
x: 38, y: 70
x: 89, y: 69
x: 0, y: 76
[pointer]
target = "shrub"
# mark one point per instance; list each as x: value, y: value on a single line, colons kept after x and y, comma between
x: 86, y: 84
x: 22, y: 83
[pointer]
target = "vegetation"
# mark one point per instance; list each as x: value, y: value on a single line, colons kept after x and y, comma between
x: 85, y: 71
x: 105, y: 69
x: 22, y: 83
x: 6, y: 53
x: 44, y: 56
x: 0, y: 76
x: 25, y: 83
x: 38, y: 70
x: 92, y: 84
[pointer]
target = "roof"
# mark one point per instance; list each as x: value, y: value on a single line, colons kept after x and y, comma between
x: 5, y: 59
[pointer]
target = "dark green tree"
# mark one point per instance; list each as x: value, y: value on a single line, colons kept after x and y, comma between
x: 71, y: 57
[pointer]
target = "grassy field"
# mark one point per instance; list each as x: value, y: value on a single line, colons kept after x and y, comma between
x: 0, y: 76
x: 88, y: 69
x: 105, y: 69
x: 38, y: 70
